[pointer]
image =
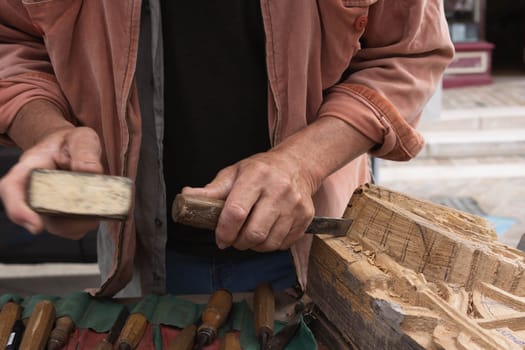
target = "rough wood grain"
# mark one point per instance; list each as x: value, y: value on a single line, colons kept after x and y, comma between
x: 411, y: 274
x: 57, y: 192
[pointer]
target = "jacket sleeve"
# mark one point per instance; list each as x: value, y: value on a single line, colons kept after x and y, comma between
x: 26, y: 73
x: 405, y: 50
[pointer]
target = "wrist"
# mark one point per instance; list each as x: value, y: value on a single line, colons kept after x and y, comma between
x: 324, y: 147
x: 35, y: 121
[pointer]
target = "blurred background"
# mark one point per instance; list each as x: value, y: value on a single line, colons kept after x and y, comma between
x: 473, y: 160
x: 474, y: 126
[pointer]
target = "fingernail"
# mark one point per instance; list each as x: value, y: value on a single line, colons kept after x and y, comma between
x: 29, y: 227
x: 221, y: 245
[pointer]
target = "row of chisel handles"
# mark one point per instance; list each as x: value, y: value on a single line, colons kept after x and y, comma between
x: 42, y: 330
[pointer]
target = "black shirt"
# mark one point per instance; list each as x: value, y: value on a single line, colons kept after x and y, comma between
x: 215, y: 99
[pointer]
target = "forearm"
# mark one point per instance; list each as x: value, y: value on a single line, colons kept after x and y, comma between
x: 324, y: 147
x: 34, y: 121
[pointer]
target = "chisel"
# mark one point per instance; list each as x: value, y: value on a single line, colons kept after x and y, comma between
x: 109, y: 340
x: 281, y: 340
x: 39, y: 326
x: 204, y: 213
x: 284, y: 336
x: 132, y: 332
x: 16, y: 336
x: 64, y: 326
x: 213, y: 317
x: 263, y: 313
x: 9, y: 314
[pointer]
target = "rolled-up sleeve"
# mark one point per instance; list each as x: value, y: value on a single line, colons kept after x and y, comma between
x: 26, y: 72
x: 405, y: 50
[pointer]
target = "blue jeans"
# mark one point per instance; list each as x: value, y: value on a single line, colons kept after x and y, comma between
x: 187, y: 274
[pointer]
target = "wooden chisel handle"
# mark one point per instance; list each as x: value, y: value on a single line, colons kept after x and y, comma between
x: 217, y: 310
x: 11, y: 312
x: 60, y: 334
x: 132, y: 332
x: 230, y: 342
x: 39, y: 326
x: 263, y: 312
x: 213, y: 317
x: 196, y: 211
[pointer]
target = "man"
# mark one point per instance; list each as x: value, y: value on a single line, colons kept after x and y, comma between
x: 324, y: 82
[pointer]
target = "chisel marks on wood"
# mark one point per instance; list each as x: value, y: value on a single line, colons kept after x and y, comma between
x: 496, y: 275
x: 406, y: 244
x: 451, y: 260
x: 473, y: 269
x: 516, y: 279
x: 371, y: 220
x: 387, y: 230
x: 427, y: 247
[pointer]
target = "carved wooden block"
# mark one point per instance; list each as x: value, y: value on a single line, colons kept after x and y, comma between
x: 411, y: 274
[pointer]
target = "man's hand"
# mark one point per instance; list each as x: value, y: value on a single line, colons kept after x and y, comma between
x: 268, y: 196
x: 268, y: 202
x: 68, y: 148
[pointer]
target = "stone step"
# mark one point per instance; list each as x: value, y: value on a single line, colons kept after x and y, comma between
x: 473, y: 143
x: 476, y: 119
x: 450, y: 169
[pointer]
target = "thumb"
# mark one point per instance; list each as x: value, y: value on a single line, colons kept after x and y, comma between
x: 219, y: 188
x: 84, y: 150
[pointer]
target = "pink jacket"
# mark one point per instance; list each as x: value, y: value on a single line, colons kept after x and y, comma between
x: 371, y: 63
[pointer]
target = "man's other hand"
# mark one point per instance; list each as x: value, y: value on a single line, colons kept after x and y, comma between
x: 268, y: 202
x: 69, y: 148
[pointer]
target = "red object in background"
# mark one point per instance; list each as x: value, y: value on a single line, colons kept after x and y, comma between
x: 472, y: 65
x: 87, y: 339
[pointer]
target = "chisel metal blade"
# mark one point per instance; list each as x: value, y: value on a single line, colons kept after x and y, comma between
x: 329, y: 226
